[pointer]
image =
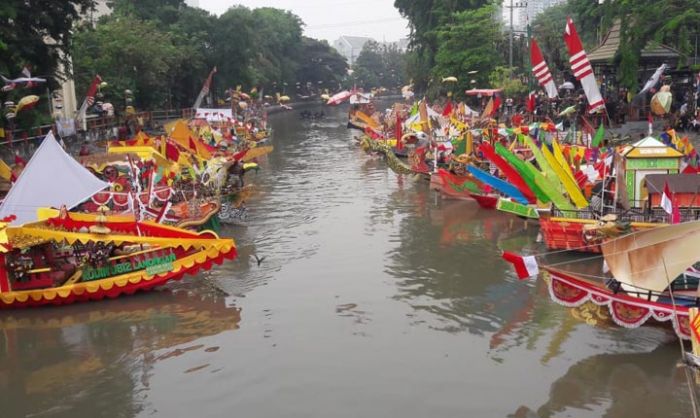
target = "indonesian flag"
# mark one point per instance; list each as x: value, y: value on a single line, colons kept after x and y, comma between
x: 525, y: 267
x: 650, y: 120
x: 541, y: 70
x: 668, y: 206
x: 581, y: 67
x: 666, y: 202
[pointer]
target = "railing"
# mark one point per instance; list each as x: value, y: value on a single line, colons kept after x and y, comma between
x: 654, y: 215
x: 98, y: 123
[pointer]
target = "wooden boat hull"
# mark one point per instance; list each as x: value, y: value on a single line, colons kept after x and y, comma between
x: 137, y: 256
x: 569, y: 234
x: 626, y: 311
x: 485, y: 201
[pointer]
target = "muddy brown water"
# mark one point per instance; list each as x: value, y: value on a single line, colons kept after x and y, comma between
x: 375, y: 298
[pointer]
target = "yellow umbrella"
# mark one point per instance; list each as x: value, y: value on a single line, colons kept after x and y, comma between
x: 451, y: 79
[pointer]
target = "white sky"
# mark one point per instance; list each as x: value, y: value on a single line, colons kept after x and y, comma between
x: 329, y: 19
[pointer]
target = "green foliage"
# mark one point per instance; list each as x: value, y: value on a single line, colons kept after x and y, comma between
x: 671, y: 22
x: 173, y: 47
x: 24, y: 28
x: 141, y: 60
x: 506, y: 79
x: 320, y: 64
x: 427, y: 19
x: 380, y: 65
x: 469, y: 43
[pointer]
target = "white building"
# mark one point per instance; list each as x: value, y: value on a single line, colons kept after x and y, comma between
x: 64, y: 100
x: 525, y: 11
x: 350, y: 46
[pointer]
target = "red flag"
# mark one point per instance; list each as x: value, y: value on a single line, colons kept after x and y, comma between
x: 171, y: 152
x: 650, y: 119
x: 531, y: 102
x: 524, y: 266
x: 496, y: 105
x: 447, y: 111
x: 517, y: 119
x: 20, y: 161
x: 399, y: 132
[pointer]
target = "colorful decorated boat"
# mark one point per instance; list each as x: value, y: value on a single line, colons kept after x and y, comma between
x: 652, y: 277
x: 69, y: 257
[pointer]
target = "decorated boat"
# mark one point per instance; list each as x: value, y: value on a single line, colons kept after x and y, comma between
x: 652, y: 277
x: 69, y: 257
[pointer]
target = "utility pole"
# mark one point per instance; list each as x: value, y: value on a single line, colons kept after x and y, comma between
x: 520, y: 4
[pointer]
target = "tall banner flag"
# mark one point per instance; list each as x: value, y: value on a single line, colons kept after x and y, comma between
x: 205, y: 89
x: 541, y: 70
x: 581, y: 67
x: 89, y: 100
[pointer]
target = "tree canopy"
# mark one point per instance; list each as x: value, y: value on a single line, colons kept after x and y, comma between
x: 163, y: 50
x: 37, y: 34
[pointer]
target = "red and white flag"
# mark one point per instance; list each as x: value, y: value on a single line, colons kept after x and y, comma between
x: 650, y: 120
x: 666, y: 202
x: 581, y: 67
x: 89, y: 98
x: 525, y: 267
x: 541, y: 70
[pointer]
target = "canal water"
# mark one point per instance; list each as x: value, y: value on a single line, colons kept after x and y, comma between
x: 373, y: 298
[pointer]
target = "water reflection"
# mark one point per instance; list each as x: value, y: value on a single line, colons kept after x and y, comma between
x: 447, y: 263
x: 86, y: 359
x: 619, y: 385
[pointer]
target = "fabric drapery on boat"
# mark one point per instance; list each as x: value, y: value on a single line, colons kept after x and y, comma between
x: 52, y: 178
x: 638, y: 259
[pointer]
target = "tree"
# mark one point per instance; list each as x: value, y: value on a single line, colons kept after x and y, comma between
x: 320, y: 64
x: 468, y: 44
x: 128, y: 53
x: 506, y: 79
x: 277, y: 41
x: 426, y: 19
x: 380, y: 65
x: 37, y: 34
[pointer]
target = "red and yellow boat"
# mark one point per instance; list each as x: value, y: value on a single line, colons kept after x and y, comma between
x: 69, y: 257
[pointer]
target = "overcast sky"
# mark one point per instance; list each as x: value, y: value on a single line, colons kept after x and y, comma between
x: 329, y: 19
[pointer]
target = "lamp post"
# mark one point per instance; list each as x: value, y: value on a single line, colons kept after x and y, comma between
x: 513, y: 5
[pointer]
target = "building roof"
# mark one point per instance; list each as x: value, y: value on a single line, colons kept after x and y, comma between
x: 650, y: 147
x: 606, y: 51
x: 677, y: 183
x: 356, y: 42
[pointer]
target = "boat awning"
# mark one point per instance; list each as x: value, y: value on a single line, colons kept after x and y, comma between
x: 52, y: 178
x: 213, y: 115
x: 677, y: 183
x: 650, y: 147
x: 651, y: 258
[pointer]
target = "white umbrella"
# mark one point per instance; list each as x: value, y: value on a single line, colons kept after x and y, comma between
x: 567, y: 86
x: 339, y: 97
